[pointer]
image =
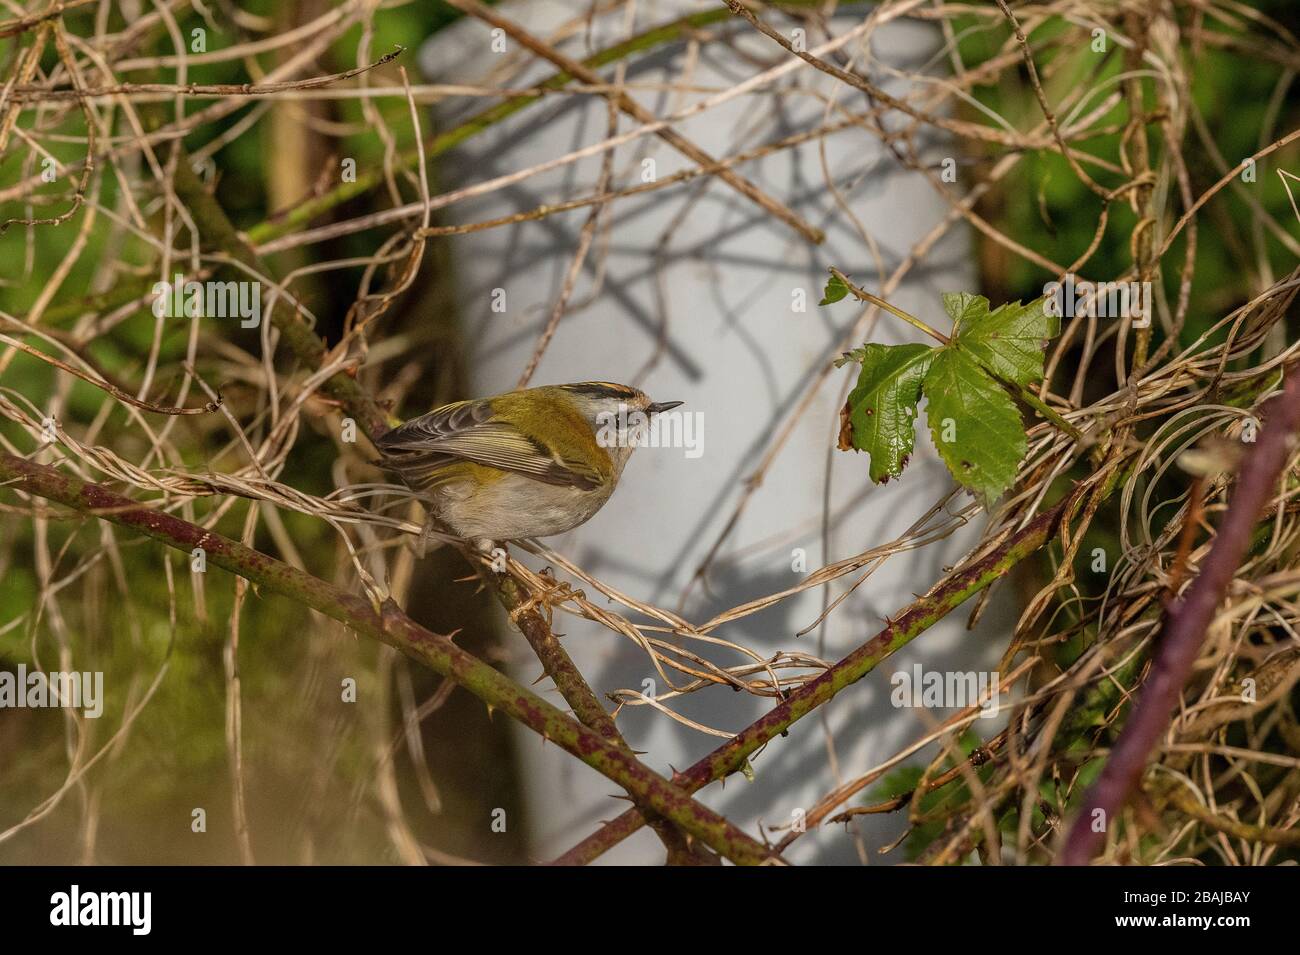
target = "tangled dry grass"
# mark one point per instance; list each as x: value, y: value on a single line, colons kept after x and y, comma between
x: 1161, y: 409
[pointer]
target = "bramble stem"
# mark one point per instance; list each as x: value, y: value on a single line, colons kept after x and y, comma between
x: 389, y: 624
x: 1028, y: 396
x: 568, y: 679
x: 865, y: 296
x: 1184, y: 631
x: 958, y: 587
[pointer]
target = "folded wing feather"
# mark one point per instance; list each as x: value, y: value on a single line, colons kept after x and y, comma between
x: 423, y: 448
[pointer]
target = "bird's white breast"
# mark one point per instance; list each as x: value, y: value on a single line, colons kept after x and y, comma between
x: 515, y: 507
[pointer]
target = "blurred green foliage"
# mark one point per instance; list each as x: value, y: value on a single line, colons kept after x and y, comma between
x: 307, y: 763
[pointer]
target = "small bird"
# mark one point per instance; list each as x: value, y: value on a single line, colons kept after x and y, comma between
x: 529, y: 463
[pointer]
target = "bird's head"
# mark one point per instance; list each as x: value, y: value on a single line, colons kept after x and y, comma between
x: 607, y: 404
x: 618, y: 415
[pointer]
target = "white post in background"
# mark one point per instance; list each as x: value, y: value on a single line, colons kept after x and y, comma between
x: 694, y: 293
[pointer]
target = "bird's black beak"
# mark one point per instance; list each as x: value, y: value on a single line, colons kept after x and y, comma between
x: 659, y: 406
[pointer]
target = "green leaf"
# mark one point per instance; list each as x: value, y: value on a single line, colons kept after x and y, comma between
x: 974, y: 424
x: 880, y: 415
x: 992, y: 357
x: 835, y: 290
x: 1007, y: 341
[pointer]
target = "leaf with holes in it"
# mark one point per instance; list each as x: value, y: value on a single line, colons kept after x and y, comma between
x: 880, y: 415
x: 1008, y: 341
x: 974, y: 424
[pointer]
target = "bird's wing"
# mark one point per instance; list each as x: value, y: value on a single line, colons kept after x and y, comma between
x: 468, y: 431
